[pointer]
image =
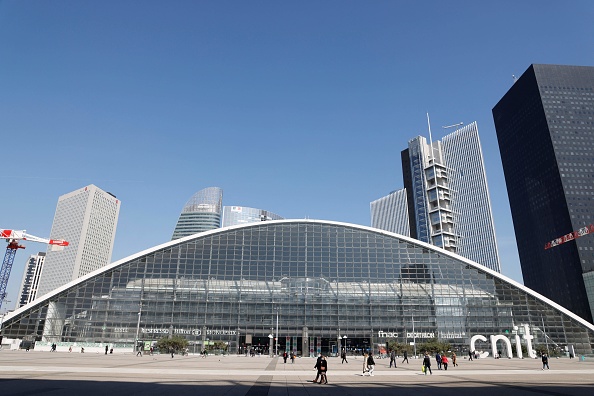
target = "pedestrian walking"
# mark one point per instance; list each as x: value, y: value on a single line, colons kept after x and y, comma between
x: 370, y: 364
x: 344, y: 356
x: 427, y: 364
x: 318, y: 368
x: 545, y: 361
x: 285, y: 356
x: 438, y: 360
x: 365, y: 367
x: 405, y: 356
x: 393, y: 358
x: 444, y: 362
x: 470, y: 353
x: 323, y: 370
x: 454, y: 364
x: 292, y: 357
x: 106, y: 349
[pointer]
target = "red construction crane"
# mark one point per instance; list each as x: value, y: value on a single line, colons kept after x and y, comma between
x: 13, y: 237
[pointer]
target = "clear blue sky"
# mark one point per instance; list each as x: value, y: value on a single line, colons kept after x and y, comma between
x: 300, y: 108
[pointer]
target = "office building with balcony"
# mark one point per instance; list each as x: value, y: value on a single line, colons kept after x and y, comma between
x: 447, y: 198
x: 31, y: 275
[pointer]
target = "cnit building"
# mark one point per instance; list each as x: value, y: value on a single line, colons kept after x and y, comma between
x: 315, y: 286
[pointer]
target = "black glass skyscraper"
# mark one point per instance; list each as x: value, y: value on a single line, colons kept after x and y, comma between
x: 545, y: 129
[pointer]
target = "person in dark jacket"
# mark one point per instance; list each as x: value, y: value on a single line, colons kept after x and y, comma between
x: 545, y: 361
x: 317, y: 367
x: 405, y: 356
x: 427, y: 363
x: 323, y: 370
x: 344, y: 356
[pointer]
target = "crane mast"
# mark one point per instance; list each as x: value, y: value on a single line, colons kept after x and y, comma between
x: 13, y: 237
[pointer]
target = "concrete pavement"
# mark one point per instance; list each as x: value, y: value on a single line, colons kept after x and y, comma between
x: 48, y: 374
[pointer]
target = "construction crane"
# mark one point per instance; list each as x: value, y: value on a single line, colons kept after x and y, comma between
x: 13, y: 237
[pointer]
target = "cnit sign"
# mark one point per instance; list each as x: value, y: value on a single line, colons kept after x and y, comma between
x: 494, y: 338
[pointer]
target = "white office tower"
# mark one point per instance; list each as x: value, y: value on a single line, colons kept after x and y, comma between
x: 447, y: 198
x: 87, y: 219
x: 390, y: 213
x: 31, y: 276
x: 471, y: 202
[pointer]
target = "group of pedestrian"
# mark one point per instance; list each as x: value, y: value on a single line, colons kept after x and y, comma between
x: 322, y: 367
x: 368, y: 364
x: 287, y: 355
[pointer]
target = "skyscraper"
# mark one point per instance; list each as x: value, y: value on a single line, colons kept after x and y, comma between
x: 545, y: 130
x: 234, y: 215
x: 390, y: 213
x: 87, y: 218
x: 31, y: 276
x: 447, y: 198
x: 201, y: 213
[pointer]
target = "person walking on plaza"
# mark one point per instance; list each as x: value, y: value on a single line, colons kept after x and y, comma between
x: 370, y: 364
x: 323, y: 370
x: 427, y: 363
x: 365, y: 368
x: 292, y: 357
x: 545, y: 361
x: 393, y: 358
x: 106, y: 349
x: 438, y: 360
x: 285, y: 356
x: 405, y: 356
x: 344, y: 357
x: 454, y: 364
x: 470, y: 356
x: 317, y: 367
x: 444, y: 361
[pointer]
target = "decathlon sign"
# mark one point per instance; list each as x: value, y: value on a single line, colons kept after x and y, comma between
x: 507, y: 343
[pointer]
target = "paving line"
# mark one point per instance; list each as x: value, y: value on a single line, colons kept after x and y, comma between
x: 4, y: 370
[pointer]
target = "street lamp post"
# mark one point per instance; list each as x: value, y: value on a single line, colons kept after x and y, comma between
x: 137, y: 328
x: 276, y: 353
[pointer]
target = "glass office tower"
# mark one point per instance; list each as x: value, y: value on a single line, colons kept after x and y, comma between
x: 235, y: 215
x: 545, y: 129
x: 390, y: 213
x: 201, y: 213
x: 328, y: 285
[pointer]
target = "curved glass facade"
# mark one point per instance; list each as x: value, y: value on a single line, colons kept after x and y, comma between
x: 311, y: 282
x: 237, y: 215
x: 201, y: 213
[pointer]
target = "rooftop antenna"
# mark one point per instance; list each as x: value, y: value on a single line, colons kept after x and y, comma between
x: 430, y: 138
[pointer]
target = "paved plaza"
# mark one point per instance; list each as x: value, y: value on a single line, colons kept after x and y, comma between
x: 46, y: 373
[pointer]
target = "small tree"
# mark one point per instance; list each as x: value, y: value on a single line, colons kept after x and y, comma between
x: 176, y: 343
x: 433, y: 346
